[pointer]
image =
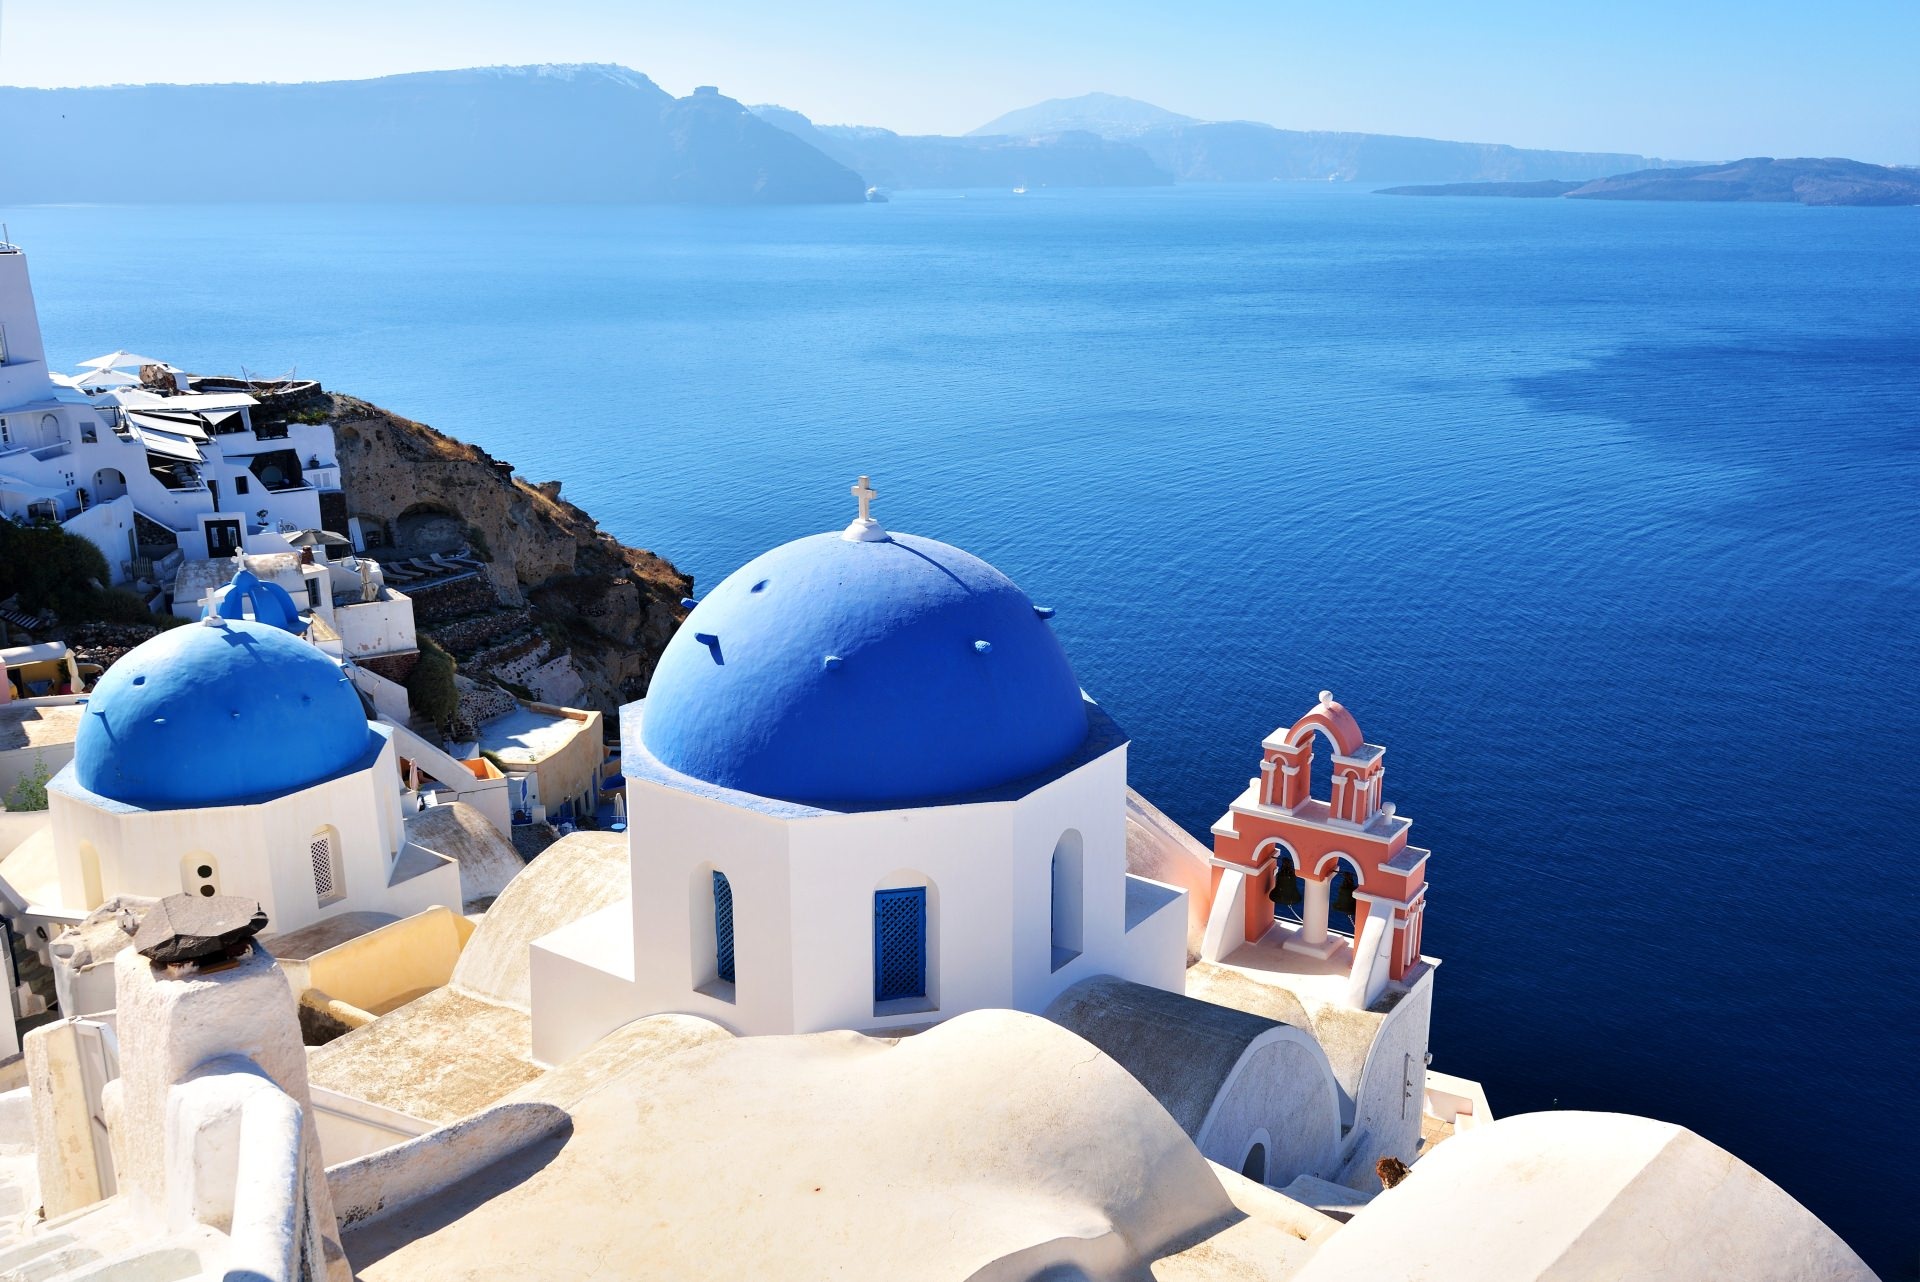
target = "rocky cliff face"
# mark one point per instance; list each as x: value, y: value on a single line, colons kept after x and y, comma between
x: 562, y: 610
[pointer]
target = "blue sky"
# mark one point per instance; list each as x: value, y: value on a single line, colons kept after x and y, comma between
x: 1700, y: 81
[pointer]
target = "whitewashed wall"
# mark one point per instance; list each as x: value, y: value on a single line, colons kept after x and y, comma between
x: 260, y: 851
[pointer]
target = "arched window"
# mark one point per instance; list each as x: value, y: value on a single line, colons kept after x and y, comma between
x: 328, y: 885
x: 899, y: 944
x: 723, y: 926
x: 1255, y: 1167
x: 1069, y: 898
x: 710, y: 933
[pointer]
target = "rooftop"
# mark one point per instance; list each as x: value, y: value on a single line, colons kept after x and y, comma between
x: 47, y: 726
x: 995, y: 1135
x: 531, y: 733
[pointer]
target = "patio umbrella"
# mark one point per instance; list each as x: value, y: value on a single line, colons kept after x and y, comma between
x: 115, y: 360
x: 104, y: 377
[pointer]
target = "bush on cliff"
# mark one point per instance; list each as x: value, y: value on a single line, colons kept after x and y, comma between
x: 51, y: 569
x: 48, y: 567
x: 430, y: 689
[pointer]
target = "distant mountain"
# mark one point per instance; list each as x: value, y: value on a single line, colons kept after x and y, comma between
x: 1827, y: 181
x: 552, y: 133
x: 888, y: 159
x: 1106, y: 114
x: 1247, y: 151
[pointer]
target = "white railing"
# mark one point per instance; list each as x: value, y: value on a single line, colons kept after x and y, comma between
x: 239, y: 1149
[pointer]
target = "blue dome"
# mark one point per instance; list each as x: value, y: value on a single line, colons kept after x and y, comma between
x: 218, y: 714
x: 833, y: 671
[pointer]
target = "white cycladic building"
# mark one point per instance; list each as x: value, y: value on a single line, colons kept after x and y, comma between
x: 864, y: 791
x: 97, y: 451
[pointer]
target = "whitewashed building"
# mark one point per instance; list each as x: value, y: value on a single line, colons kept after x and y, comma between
x: 151, y: 467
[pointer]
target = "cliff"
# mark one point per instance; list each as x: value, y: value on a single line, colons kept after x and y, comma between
x: 1248, y: 151
x: 1756, y: 180
x: 562, y: 610
x: 1066, y: 158
x: 550, y: 134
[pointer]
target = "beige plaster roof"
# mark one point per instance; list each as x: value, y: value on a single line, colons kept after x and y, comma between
x: 464, y: 834
x: 1571, y: 1196
x: 439, y: 1058
x: 49, y: 725
x: 995, y: 1137
x: 526, y: 735
x: 460, y: 1048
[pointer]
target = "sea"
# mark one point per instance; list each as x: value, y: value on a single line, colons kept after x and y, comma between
x: 1604, y: 518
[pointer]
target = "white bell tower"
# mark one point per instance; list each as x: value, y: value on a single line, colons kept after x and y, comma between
x: 23, y: 361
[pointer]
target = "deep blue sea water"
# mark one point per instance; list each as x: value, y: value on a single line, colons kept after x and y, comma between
x: 1602, y: 517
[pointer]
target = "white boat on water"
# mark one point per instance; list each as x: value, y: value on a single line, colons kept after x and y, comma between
x: 875, y: 196
x: 1019, y: 191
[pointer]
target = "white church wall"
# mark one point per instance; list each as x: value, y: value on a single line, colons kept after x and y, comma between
x: 1390, y: 1098
x: 1154, y: 951
x: 675, y: 840
x: 582, y: 980
x: 962, y: 854
x: 1280, y: 1095
x: 803, y: 889
x: 263, y: 851
x: 1089, y: 802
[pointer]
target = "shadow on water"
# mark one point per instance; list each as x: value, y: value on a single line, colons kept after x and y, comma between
x: 1750, y: 400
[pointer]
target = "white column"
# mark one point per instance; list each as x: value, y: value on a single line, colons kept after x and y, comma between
x: 1318, y: 894
x: 1312, y: 938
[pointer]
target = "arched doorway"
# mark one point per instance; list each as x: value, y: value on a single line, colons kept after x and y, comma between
x: 109, y: 483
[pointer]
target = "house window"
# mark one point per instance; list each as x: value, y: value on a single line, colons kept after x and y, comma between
x: 1069, y: 899
x: 1255, y: 1167
x: 3, y: 344
x: 899, y: 943
x: 723, y: 926
x: 239, y: 482
x: 325, y: 851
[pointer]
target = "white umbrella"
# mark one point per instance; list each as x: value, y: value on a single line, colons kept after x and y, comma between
x: 104, y: 377
x: 114, y: 360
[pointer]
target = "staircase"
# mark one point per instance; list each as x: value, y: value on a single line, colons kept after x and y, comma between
x: 33, y: 978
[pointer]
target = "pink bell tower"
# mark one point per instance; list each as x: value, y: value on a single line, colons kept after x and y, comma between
x: 1276, y: 827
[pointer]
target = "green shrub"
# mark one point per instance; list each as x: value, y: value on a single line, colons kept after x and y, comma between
x: 30, y: 790
x: 430, y: 689
x: 118, y: 605
x: 49, y: 568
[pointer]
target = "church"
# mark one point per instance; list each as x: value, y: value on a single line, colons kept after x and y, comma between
x: 864, y: 791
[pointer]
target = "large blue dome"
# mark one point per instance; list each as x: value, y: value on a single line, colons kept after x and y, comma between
x: 215, y: 714
x: 834, y: 671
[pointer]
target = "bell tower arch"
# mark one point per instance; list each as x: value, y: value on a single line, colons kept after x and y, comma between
x: 1287, y: 846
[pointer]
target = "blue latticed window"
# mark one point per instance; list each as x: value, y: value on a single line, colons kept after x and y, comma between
x: 899, y: 943
x: 723, y: 926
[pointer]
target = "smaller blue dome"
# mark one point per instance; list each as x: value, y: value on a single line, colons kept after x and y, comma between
x: 219, y: 713
x: 269, y: 602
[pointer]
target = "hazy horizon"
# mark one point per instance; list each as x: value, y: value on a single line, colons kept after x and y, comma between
x: 1716, y: 83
